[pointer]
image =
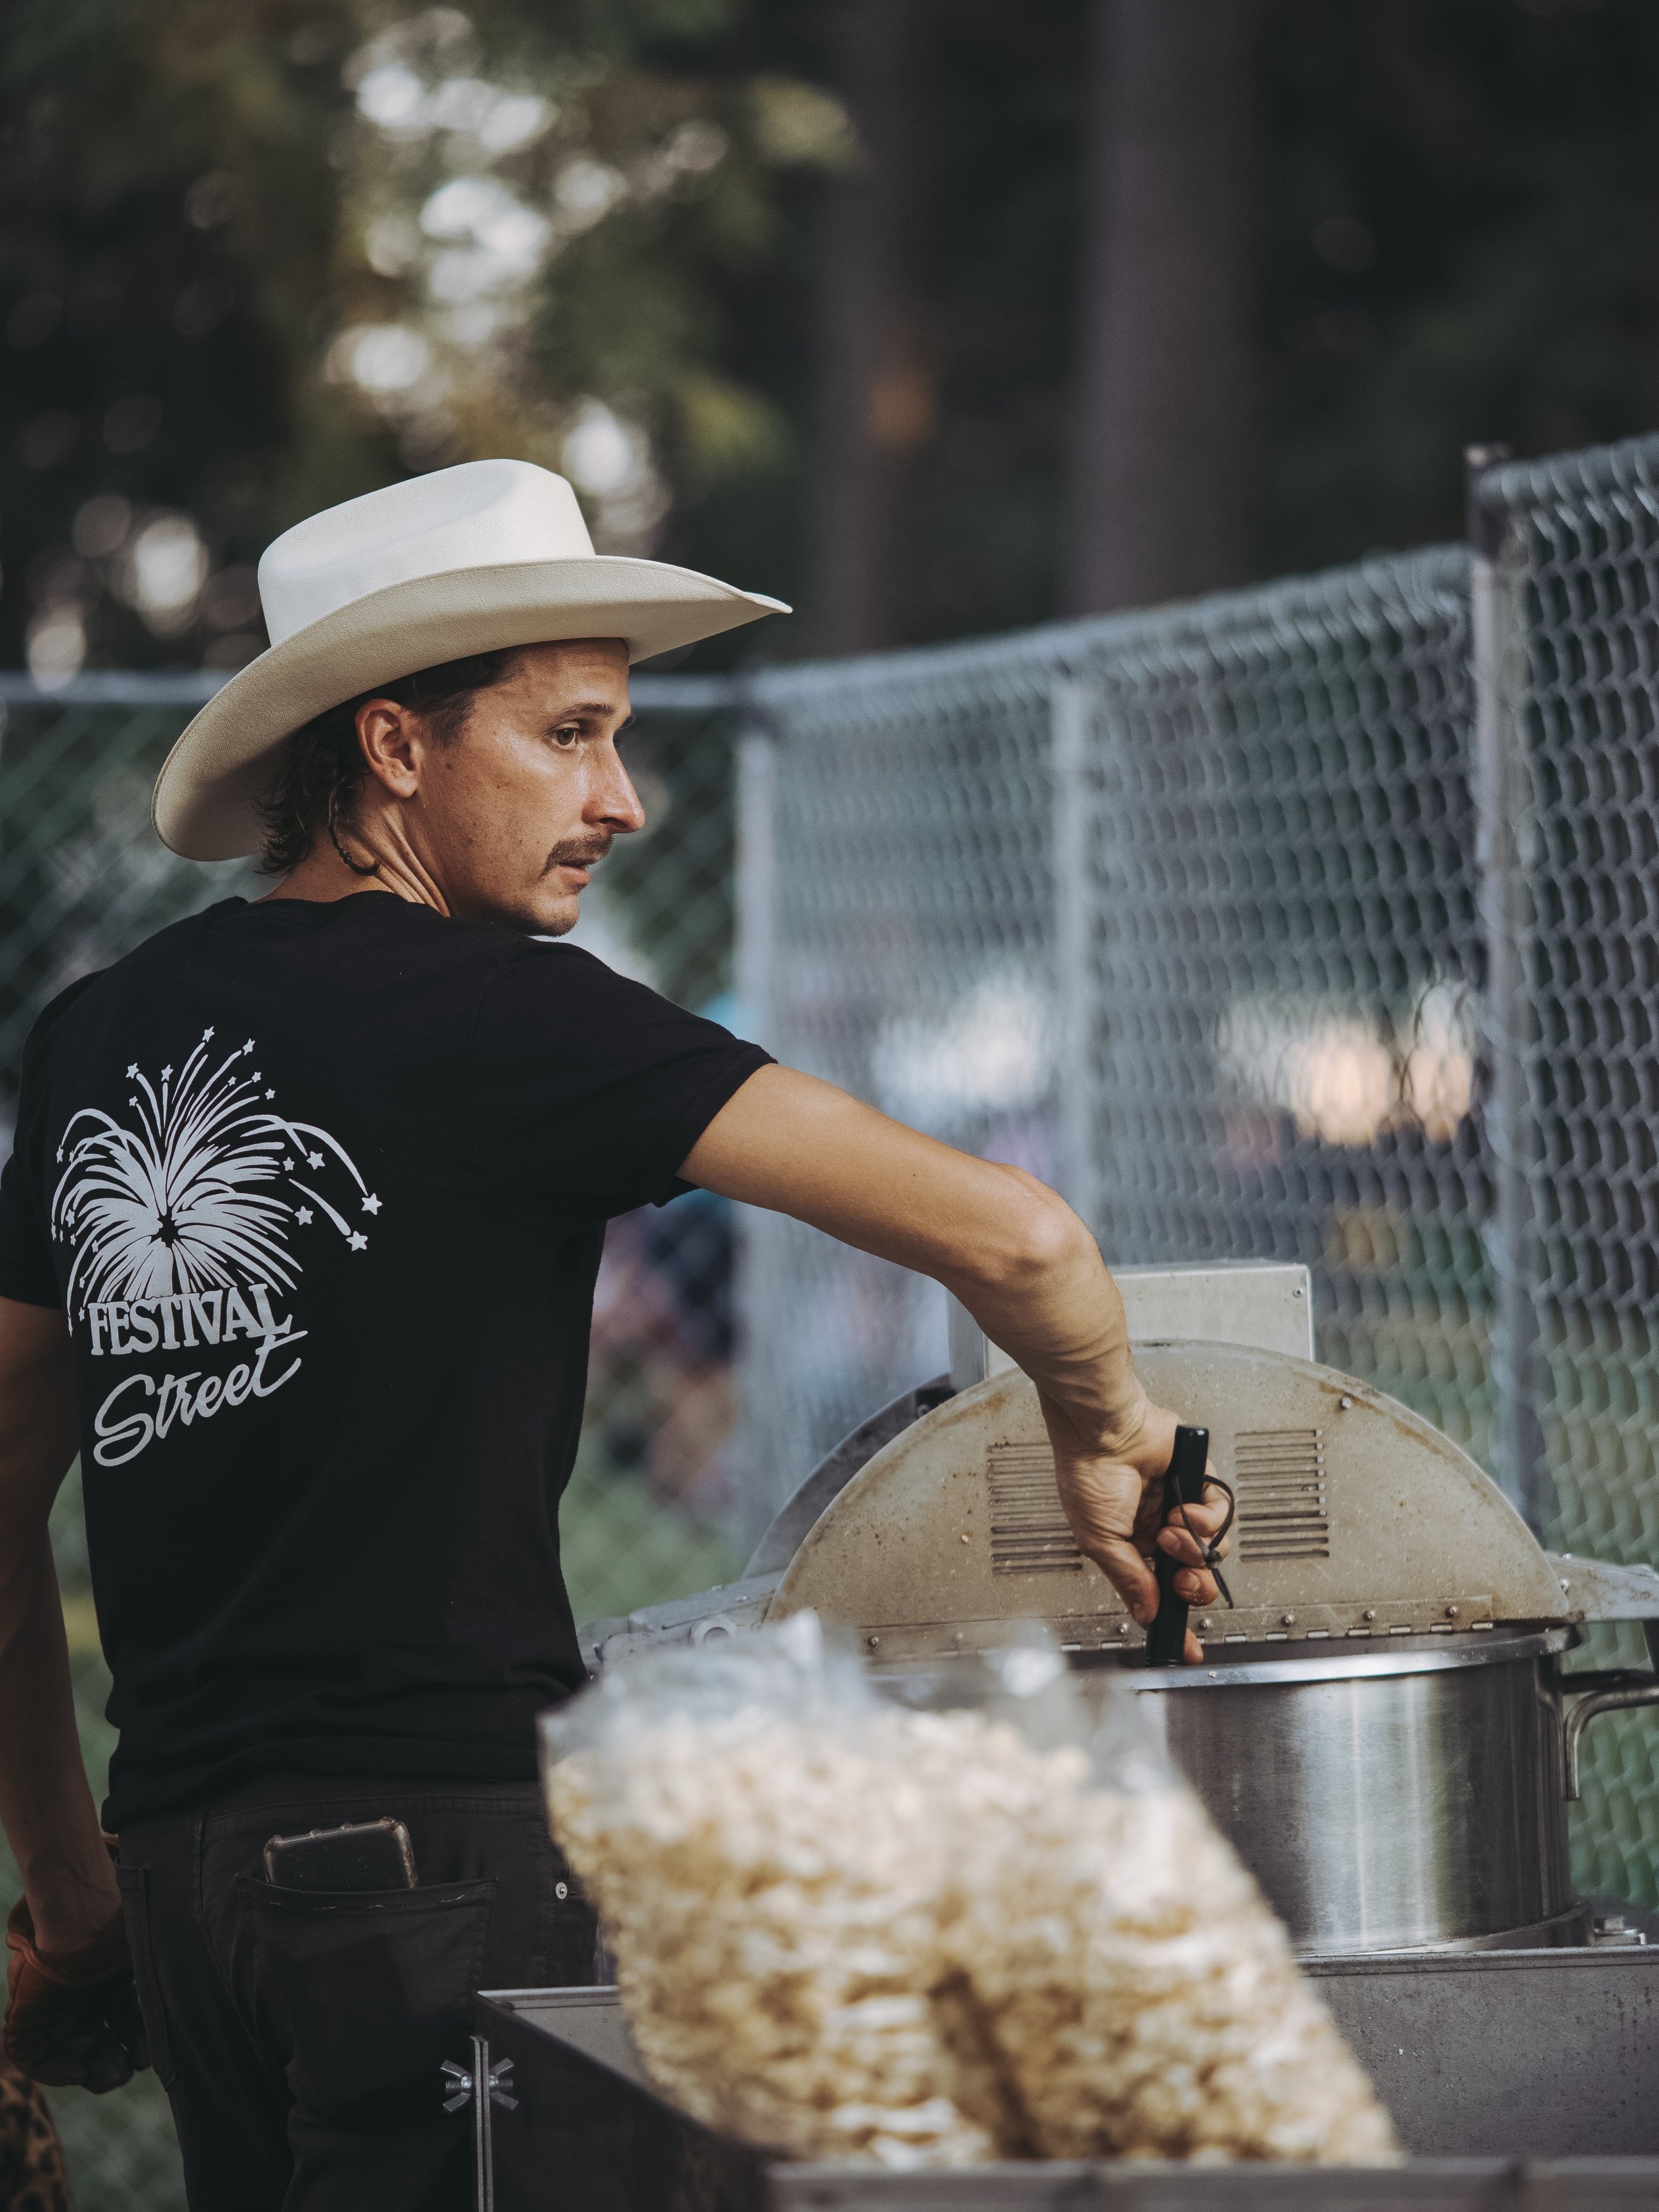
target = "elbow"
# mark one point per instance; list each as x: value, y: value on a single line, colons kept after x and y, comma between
x: 1037, y: 1237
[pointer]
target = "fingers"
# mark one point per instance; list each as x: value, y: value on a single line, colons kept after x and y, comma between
x: 1130, y: 1576
x: 1187, y: 1532
x: 1196, y: 1586
x: 1209, y: 1520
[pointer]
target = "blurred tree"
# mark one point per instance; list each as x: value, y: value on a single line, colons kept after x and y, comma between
x: 1463, y: 214
x: 878, y: 399
x: 257, y: 258
x: 170, y: 213
x: 1161, y: 459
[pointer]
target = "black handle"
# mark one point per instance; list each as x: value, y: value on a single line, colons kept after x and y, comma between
x: 1183, y: 1484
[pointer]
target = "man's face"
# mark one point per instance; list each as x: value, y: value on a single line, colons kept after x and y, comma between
x: 511, y: 815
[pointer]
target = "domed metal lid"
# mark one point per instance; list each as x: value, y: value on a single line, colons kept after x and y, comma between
x: 1357, y: 1522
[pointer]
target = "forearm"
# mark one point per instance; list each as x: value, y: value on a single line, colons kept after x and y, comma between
x: 45, y: 1804
x: 1051, y: 1304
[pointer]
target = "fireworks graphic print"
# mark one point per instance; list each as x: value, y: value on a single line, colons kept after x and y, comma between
x: 201, y: 1189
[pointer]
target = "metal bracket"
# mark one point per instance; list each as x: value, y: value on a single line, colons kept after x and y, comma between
x: 462, y: 2086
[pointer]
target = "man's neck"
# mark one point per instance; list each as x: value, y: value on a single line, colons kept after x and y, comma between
x: 324, y: 876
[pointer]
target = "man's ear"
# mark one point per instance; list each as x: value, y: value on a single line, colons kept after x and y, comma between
x: 391, y: 740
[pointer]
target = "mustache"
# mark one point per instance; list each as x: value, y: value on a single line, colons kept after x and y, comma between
x: 577, y: 853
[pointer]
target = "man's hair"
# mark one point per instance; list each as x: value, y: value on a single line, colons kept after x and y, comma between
x: 321, y: 767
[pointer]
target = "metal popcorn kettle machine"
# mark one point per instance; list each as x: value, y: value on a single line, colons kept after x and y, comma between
x: 1382, y: 1725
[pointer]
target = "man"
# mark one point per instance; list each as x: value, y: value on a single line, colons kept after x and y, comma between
x: 320, y: 1185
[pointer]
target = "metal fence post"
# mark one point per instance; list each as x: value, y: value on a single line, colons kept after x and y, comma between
x: 756, y: 1254
x: 756, y: 872
x: 1505, y: 835
x: 1072, y: 707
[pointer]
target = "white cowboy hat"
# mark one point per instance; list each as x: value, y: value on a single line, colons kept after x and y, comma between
x: 466, y: 559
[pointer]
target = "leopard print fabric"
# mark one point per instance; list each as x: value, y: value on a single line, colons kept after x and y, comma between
x: 32, y: 2175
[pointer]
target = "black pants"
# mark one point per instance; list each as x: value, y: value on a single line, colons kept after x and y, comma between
x: 301, y: 2038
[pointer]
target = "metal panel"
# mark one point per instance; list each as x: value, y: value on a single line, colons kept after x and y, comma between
x: 589, y: 2136
x: 1548, y: 2054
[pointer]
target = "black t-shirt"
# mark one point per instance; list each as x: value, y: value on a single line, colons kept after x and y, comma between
x: 323, y: 1191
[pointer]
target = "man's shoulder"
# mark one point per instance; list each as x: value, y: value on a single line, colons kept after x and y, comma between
x: 554, y: 972
x: 56, y: 1011
x: 85, y: 996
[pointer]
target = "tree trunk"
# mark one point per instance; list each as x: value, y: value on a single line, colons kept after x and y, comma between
x: 1161, y: 459
x: 877, y: 402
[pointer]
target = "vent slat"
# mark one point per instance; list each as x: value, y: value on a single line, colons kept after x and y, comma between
x: 1030, y: 1534
x: 1283, y: 1512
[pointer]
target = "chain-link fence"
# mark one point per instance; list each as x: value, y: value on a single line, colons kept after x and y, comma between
x: 1176, y: 910
x: 649, y: 1514
x: 1311, y: 922
x: 1566, y: 600
x: 898, y: 818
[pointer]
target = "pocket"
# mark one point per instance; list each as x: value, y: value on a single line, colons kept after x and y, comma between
x: 371, y: 1990
x: 135, y: 1902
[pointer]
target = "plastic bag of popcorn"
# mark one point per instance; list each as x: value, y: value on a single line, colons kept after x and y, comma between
x: 1138, y: 1994
x: 768, y: 1870
x: 932, y: 1934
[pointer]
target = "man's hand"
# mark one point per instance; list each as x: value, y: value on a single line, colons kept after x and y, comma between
x: 72, y: 2017
x: 1114, y: 1501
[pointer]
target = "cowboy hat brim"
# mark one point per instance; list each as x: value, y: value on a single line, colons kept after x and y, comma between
x: 204, y: 805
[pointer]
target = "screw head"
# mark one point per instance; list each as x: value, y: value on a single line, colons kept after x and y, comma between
x: 1123, y: 1628
x: 1370, y: 1614
x: 562, y: 1890
x: 1287, y: 1620
x: 874, y: 1642
x: 1344, y: 1405
x: 1206, y: 1623
x: 1452, y: 1612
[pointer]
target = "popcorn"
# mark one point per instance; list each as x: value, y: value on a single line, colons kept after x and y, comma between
x: 1144, y: 2000
x: 854, y: 1932
x: 771, y: 1892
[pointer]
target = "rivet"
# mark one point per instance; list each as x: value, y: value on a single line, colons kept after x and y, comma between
x: 1287, y: 1620
x: 1451, y: 1612
x: 1344, y: 1405
x: 1206, y: 1623
x: 1123, y: 1628
x: 561, y: 1890
x: 874, y: 1642
x: 1370, y: 1614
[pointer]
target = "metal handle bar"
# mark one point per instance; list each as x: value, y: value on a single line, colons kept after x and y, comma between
x: 1637, y: 1690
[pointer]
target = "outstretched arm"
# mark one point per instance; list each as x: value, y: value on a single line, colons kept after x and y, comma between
x: 1022, y: 1263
